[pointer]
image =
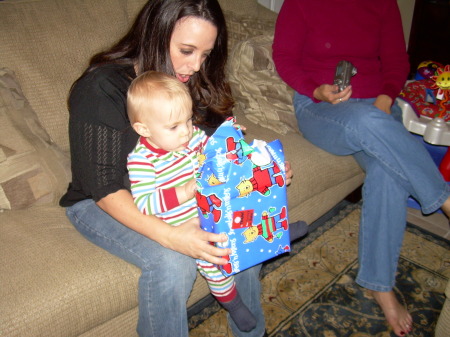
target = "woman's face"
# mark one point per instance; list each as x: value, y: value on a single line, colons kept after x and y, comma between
x: 191, y: 43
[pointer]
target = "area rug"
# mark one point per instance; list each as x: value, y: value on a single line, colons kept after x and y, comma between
x: 311, y: 291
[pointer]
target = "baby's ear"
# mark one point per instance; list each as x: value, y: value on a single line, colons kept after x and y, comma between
x: 141, y: 129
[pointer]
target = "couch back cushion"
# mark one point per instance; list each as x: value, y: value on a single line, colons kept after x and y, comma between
x: 48, y: 44
x: 33, y: 170
x: 257, y: 88
x: 247, y: 8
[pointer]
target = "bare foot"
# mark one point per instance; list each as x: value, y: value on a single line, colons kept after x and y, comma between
x: 446, y: 207
x: 396, y: 315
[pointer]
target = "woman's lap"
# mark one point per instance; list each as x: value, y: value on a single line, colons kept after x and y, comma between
x: 167, y: 276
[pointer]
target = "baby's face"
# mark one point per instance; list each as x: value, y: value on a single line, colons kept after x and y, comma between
x: 170, y: 128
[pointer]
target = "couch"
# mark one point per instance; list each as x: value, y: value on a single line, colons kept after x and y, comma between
x: 53, y: 282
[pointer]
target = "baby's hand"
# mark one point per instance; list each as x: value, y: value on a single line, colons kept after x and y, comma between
x: 239, y: 126
x: 190, y: 188
x: 187, y: 191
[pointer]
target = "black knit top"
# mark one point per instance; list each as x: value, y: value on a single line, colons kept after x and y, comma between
x: 100, y: 134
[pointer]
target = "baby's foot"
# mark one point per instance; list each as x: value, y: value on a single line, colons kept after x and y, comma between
x: 240, y: 314
x: 396, y: 315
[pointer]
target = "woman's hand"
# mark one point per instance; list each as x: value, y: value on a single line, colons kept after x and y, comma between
x: 384, y: 103
x: 329, y: 93
x: 189, y: 239
x: 289, y: 173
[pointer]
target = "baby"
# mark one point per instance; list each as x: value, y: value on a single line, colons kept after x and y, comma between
x: 163, y: 165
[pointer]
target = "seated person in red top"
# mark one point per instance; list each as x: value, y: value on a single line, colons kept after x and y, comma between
x: 311, y: 37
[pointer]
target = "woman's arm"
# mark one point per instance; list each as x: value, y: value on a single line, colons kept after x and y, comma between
x: 188, y: 238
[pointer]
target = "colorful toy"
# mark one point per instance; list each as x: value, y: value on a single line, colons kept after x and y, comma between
x: 432, y: 117
x: 426, y: 69
x: 242, y: 193
x: 424, y: 94
x: 442, y: 84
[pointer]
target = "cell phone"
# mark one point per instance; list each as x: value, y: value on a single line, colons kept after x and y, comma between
x: 345, y: 70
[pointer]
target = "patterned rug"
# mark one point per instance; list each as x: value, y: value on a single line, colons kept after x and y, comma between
x: 311, y: 291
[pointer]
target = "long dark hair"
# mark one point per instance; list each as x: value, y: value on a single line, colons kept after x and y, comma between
x: 147, y: 43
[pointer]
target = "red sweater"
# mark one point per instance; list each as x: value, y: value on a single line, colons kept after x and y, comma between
x: 312, y: 36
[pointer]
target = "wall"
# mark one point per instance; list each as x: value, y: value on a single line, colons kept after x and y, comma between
x: 406, y: 10
x: 273, y: 5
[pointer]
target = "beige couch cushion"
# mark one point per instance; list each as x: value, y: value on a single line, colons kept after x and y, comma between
x: 260, y: 93
x: 243, y: 27
x: 55, y: 31
x: 247, y: 8
x: 33, y: 170
x: 57, y: 282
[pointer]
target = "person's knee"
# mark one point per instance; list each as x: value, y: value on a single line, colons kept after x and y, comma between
x: 177, y: 271
x: 372, y: 120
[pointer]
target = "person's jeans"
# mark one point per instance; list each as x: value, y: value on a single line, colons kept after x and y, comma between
x: 397, y: 166
x: 167, y: 276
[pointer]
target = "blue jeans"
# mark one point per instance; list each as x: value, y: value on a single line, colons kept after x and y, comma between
x: 167, y: 276
x: 397, y: 166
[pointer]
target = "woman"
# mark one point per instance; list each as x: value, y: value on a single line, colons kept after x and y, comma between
x: 311, y: 37
x: 186, y: 39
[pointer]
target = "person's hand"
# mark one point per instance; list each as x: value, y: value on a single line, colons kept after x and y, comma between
x: 189, y: 189
x: 189, y: 239
x: 289, y: 173
x: 384, y: 103
x: 329, y: 93
x: 239, y: 127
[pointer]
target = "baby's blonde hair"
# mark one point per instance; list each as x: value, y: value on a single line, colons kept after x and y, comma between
x: 152, y: 86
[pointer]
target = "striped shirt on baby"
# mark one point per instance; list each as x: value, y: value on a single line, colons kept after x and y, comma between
x: 154, y: 174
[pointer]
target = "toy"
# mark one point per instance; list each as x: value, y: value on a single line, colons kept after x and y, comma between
x: 426, y: 69
x: 430, y: 118
x: 442, y: 84
x: 422, y: 96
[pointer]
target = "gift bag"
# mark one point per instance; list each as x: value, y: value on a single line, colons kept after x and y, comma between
x: 242, y: 193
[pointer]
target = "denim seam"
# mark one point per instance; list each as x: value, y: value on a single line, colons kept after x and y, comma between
x: 372, y: 286
x: 149, y: 300
x: 438, y: 203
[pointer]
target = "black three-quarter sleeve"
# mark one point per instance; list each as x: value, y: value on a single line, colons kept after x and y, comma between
x: 100, y: 134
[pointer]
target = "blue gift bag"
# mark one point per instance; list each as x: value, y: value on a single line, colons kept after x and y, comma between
x: 242, y: 193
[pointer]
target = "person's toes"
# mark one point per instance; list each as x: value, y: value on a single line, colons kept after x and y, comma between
x: 396, y: 315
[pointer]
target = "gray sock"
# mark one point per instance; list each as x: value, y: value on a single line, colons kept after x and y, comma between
x: 297, y: 230
x: 240, y: 314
